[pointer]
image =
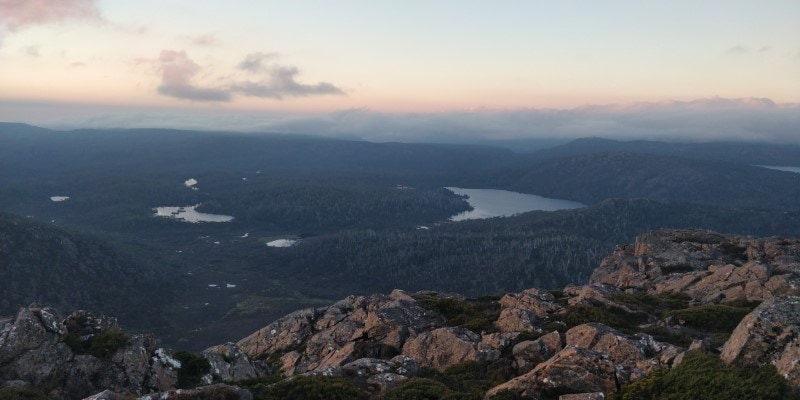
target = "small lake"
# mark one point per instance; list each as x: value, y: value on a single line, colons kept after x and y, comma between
x: 787, y: 169
x: 190, y: 214
x: 488, y: 203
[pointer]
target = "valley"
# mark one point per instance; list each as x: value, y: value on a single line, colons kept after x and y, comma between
x: 284, y: 222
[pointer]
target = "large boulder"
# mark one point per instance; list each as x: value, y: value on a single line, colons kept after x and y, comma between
x: 770, y: 334
x: 443, y: 347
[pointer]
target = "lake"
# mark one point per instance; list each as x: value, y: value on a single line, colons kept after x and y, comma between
x: 787, y: 169
x: 189, y: 214
x: 488, y: 203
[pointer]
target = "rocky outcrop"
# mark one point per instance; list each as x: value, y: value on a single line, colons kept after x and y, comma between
x: 769, y: 335
x: 82, y: 354
x: 314, y: 339
x: 596, y: 358
x: 572, y: 370
x: 710, y: 267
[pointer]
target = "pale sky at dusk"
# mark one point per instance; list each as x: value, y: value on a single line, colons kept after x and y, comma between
x: 114, y: 62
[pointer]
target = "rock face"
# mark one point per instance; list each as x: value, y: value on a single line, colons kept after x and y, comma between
x: 769, y: 335
x: 709, y: 267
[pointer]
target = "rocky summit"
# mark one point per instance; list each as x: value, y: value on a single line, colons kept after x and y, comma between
x: 646, y: 311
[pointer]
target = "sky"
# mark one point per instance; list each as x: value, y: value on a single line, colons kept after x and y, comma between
x: 408, y: 70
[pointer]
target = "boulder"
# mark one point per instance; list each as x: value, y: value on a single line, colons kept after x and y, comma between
x: 443, y: 347
x: 572, y: 370
x: 521, y: 312
x: 531, y: 353
x: 769, y: 334
x: 229, y: 363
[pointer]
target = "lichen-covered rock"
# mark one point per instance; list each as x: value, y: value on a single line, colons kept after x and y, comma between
x: 572, y: 370
x: 33, y: 350
x: 531, y: 353
x: 522, y: 312
x: 708, y: 266
x: 770, y: 334
x: 347, y: 330
x: 444, y: 347
x: 229, y: 363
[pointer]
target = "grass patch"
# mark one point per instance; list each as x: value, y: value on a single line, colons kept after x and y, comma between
x: 652, y: 304
x: 477, y: 315
x: 711, y: 317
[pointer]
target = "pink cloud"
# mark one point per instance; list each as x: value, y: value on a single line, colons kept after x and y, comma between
x: 177, y: 71
x: 19, y: 14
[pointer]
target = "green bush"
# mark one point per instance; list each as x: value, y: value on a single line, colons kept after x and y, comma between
x: 374, y: 350
x: 711, y: 317
x: 102, y: 345
x: 425, y: 389
x: 614, y: 317
x: 703, y: 376
x: 477, y: 315
x: 309, y: 388
x: 22, y: 394
x: 654, y: 304
x: 192, y: 369
x: 105, y: 344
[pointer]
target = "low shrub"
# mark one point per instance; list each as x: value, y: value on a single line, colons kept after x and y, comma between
x: 192, y: 369
x: 704, y: 376
x: 308, y: 388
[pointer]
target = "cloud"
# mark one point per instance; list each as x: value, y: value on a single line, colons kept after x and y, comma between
x: 738, y: 49
x: 177, y: 71
x: 205, y: 40
x: 714, y: 119
x: 32, y: 51
x: 765, y: 49
x: 280, y: 82
x: 704, y: 120
x: 16, y: 15
x: 255, y: 62
x: 276, y: 81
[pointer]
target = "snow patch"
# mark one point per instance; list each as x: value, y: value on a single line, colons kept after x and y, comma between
x: 59, y: 199
x: 282, y: 243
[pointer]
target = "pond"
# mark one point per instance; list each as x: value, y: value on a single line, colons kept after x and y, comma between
x: 190, y: 214
x: 779, y: 168
x: 488, y: 203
